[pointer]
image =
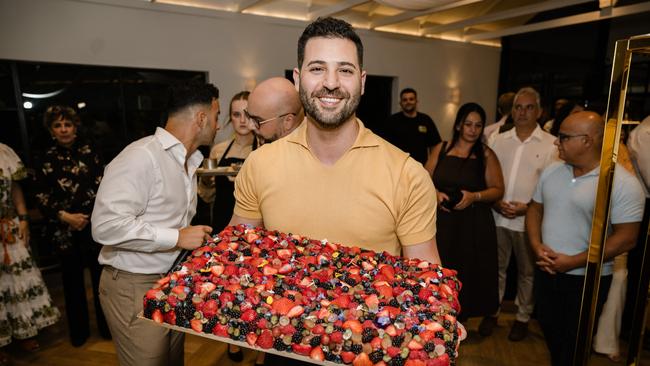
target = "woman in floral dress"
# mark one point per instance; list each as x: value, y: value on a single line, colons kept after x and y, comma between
x: 68, y: 179
x: 25, y: 303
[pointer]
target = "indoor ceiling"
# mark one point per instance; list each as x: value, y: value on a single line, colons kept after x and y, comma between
x: 477, y: 21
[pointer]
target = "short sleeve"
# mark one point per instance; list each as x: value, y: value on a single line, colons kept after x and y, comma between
x: 416, y: 199
x: 628, y: 198
x: 247, y: 202
x: 12, y: 163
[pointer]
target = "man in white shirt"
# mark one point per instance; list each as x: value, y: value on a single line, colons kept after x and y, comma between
x: 523, y: 152
x: 504, y: 107
x: 142, y: 216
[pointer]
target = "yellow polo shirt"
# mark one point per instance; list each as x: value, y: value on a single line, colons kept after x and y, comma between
x: 374, y: 197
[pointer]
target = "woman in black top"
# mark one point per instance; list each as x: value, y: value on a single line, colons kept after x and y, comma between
x: 67, y: 182
x: 468, y: 179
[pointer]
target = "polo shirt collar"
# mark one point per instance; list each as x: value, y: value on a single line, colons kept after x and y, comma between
x: 594, y: 172
x: 537, y: 134
x: 365, y: 137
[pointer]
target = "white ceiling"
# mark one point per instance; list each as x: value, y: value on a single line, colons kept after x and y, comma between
x: 477, y: 21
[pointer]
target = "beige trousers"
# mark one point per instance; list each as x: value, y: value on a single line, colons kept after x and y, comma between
x: 137, y: 341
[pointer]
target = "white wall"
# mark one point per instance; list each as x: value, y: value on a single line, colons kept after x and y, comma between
x: 235, y: 49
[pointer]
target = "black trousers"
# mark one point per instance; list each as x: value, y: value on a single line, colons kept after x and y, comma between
x: 558, y: 298
x: 82, y: 254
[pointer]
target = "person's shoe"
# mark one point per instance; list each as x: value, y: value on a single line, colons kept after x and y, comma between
x: 487, y: 325
x: 518, y: 331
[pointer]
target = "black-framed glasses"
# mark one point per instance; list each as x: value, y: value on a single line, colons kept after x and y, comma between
x: 258, y: 122
x: 564, y: 137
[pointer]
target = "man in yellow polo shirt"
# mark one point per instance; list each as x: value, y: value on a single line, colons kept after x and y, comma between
x: 333, y: 178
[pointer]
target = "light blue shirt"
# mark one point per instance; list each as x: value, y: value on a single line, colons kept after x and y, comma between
x: 569, y: 205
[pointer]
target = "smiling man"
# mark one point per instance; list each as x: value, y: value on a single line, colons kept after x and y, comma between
x: 332, y: 177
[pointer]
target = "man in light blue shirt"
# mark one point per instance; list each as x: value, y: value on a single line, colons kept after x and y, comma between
x: 558, y: 223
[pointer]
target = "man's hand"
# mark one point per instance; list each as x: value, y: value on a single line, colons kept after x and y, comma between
x: 77, y: 221
x: 511, y: 209
x: 192, y: 237
x: 23, y: 232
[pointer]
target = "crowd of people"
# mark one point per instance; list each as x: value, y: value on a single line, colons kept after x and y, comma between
x: 516, y: 186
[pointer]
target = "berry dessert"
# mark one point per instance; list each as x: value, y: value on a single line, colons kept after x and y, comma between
x: 312, y: 298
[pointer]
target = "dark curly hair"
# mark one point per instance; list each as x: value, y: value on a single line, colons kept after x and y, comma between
x: 478, y: 149
x: 188, y: 93
x: 60, y: 113
x: 329, y: 28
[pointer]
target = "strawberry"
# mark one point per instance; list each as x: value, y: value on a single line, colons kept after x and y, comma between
x: 372, y: 301
x: 424, y: 293
x: 393, y: 351
x: 336, y: 337
x: 265, y: 340
x: 248, y: 315
x: 163, y: 281
x: 317, y: 354
x: 427, y: 336
x: 286, y: 268
x: 434, y: 327
x: 251, y: 237
x: 295, y: 311
x: 302, y: 349
x: 348, y: 357
x: 287, y: 329
x: 226, y: 297
x: 210, y: 308
x: 206, y: 288
x: 282, y: 306
x: 414, y: 345
x: 318, y: 329
x: 251, y: 338
x: 353, y: 325
x: 217, y: 270
x: 196, y: 324
x: 178, y: 290
x: 261, y: 323
x: 342, y: 301
x: 157, y: 316
x: 220, y: 330
x: 362, y: 360
x: 283, y: 254
x: 442, y: 360
x: 414, y: 362
x: 269, y: 271
x: 375, y: 343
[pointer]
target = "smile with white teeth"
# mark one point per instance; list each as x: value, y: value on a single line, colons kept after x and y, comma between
x: 329, y: 100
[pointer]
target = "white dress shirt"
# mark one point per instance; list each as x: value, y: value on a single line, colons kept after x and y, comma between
x: 522, y: 162
x: 146, y: 195
x: 638, y: 144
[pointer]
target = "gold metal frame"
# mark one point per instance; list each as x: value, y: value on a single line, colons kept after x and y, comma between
x: 614, y: 117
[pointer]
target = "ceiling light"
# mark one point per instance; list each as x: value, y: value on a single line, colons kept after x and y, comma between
x: 43, y: 95
x: 81, y: 105
x: 27, y: 105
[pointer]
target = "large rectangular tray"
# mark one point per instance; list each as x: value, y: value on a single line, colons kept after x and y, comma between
x: 240, y: 343
x: 218, y: 171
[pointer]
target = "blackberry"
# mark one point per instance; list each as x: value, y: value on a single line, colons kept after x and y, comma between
x: 279, y: 345
x: 350, y: 281
x: 327, y: 285
x: 264, y: 253
x: 356, y: 348
x: 291, y: 297
x: 450, y: 345
x: 247, y: 252
x: 393, y: 302
x: 396, y: 361
x: 296, y: 338
x: 429, y: 346
x: 376, y: 356
x: 367, y: 335
x: 207, y: 327
x: 232, y: 257
x: 329, y: 356
x: 439, y: 334
x: 338, y: 328
x: 397, y: 340
x: 415, y: 330
x: 446, y: 324
x: 315, y: 341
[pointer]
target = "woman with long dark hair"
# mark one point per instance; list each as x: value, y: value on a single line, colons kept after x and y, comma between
x: 468, y: 179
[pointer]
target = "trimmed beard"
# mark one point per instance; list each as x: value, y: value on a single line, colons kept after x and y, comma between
x: 332, y: 120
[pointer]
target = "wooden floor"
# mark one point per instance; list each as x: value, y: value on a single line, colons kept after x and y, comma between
x: 474, y: 351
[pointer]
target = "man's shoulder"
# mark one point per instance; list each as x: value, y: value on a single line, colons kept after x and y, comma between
x: 423, y: 117
x: 628, y: 182
x: 556, y: 168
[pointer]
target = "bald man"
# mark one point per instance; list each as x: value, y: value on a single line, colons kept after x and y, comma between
x: 558, y: 223
x: 274, y: 109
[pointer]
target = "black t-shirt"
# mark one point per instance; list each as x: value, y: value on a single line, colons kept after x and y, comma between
x: 413, y: 135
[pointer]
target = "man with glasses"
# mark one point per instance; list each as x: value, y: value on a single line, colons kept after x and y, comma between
x: 523, y: 152
x: 274, y: 109
x: 558, y: 223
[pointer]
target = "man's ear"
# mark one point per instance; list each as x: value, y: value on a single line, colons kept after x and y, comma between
x: 200, y: 117
x: 296, y: 78
x: 363, y: 81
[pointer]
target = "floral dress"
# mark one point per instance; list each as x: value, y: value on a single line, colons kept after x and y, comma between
x: 25, y: 303
x: 68, y: 180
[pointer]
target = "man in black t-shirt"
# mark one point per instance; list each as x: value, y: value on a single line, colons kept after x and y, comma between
x: 410, y: 130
